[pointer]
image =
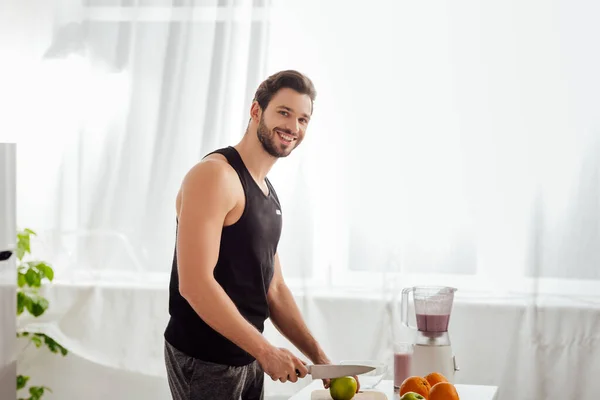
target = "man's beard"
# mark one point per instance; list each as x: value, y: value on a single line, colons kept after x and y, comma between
x: 267, y: 139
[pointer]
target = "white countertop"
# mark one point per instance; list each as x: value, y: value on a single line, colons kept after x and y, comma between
x: 466, y: 392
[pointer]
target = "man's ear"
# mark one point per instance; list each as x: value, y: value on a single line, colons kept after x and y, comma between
x: 255, y: 111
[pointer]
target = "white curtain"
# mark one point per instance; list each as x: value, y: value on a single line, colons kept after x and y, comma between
x: 127, y: 98
x: 453, y: 138
x: 453, y: 143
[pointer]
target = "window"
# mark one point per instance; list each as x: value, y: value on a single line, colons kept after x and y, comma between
x: 437, y: 151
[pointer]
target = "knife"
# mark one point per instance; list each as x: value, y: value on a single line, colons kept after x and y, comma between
x: 330, y: 371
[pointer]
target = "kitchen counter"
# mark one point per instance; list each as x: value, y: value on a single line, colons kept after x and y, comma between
x: 466, y: 392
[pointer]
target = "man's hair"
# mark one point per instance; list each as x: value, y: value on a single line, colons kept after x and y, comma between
x: 284, y: 79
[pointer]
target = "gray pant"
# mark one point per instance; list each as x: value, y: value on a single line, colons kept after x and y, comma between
x: 193, y: 379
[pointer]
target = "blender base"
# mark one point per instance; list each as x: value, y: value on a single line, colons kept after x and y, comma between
x: 427, y: 359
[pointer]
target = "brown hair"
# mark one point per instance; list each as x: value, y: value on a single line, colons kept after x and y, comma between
x: 284, y: 79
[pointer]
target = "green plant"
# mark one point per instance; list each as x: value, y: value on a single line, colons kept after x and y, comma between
x: 31, y: 275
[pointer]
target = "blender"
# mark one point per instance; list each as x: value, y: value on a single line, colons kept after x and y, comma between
x: 432, y: 351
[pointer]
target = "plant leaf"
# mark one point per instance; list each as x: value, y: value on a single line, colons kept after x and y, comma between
x: 20, y: 253
x: 21, y: 381
x: 21, y: 279
x: 36, y: 340
x: 33, y: 278
x: 45, y: 270
x: 53, y: 345
x: 37, y: 392
x: 22, y: 300
x: 36, y: 305
x: 23, y: 243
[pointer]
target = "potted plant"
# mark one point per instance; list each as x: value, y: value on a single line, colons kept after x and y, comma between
x: 31, y: 276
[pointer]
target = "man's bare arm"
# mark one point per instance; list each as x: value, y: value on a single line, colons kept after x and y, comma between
x: 287, y: 318
x: 207, y: 196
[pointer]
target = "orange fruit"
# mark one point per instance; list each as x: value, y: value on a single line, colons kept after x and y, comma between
x: 443, y: 391
x: 415, y: 384
x: 435, y: 377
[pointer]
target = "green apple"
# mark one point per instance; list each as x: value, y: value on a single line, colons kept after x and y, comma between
x: 343, y: 388
x: 411, y: 396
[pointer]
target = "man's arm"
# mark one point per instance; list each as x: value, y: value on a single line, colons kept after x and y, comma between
x: 207, y: 196
x: 286, y: 317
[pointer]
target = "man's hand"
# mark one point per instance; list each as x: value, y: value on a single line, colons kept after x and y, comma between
x: 280, y: 364
x: 327, y: 382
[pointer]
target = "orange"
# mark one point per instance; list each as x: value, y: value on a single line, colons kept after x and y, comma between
x: 415, y: 384
x: 435, y: 377
x: 443, y: 391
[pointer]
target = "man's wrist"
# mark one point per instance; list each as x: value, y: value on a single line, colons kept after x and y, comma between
x: 319, y: 357
x: 261, y: 348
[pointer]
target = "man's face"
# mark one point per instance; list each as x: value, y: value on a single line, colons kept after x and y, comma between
x: 283, y: 124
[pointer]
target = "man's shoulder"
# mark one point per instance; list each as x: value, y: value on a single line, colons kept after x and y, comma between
x: 214, y: 177
x: 213, y: 167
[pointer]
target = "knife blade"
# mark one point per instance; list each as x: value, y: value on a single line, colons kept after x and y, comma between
x: 330, y: 371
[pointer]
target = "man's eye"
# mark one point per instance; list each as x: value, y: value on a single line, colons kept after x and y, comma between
x: 284, y: 113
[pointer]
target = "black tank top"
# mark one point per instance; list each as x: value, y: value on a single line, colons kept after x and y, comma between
x: 244, y: 269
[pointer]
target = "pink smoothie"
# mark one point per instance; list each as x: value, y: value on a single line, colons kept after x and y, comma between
x: 401, y: 368
x: 432, y: 323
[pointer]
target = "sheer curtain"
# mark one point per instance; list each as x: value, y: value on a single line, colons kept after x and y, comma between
x: 127, y: 97
x: 112, y: 103
x: 453, y: 144
x: 444, y: 142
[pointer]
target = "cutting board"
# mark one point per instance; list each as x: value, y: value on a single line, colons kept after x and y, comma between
x: 369, y: 395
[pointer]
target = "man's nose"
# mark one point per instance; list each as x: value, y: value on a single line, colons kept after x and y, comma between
x: 293, y: 126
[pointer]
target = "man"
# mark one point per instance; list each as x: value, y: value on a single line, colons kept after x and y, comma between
x: 226, y: 276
